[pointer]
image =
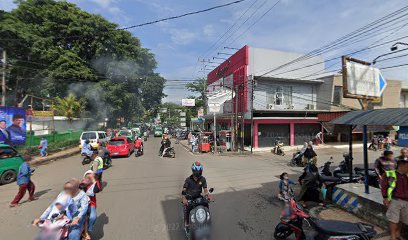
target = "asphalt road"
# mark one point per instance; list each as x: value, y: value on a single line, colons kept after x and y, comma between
x: 141, y: 196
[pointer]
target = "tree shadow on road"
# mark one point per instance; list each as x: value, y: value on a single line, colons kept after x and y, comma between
x: 101, y: 221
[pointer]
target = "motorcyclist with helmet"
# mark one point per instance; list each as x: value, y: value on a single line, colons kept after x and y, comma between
x: 165, y: 145
x: 193, y: 188
x: 87, y: 148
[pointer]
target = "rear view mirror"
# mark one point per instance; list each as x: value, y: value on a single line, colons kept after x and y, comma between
x: 211, y: 190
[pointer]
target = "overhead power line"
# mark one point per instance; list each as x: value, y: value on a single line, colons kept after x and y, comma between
x: 182, y: 15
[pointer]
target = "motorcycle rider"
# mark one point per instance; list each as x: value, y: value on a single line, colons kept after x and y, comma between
x: 87, y: 148
x: 193, y: 188
x: 166, y: 144
x: 385, y: 164
x: 105, y: 154
x: 139, y: 144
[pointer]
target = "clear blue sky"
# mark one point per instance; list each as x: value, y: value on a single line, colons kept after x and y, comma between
x: 294, y: 25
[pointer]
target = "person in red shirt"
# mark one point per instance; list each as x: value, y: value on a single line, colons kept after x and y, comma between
x: 139, y: 145
x: 395, y: 194
x: 90, y: 186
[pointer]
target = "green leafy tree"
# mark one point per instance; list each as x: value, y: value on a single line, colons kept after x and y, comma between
x: 57, y: 48
x: 199, y: 87
x: 69, y: 107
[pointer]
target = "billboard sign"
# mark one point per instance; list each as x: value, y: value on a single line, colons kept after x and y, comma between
x: 43, y: 115
x: 12, y: 126
x: 200, y: 113
x: 188, y: 102
x: 360, y: 80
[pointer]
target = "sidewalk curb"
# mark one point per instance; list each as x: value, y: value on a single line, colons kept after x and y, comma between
x: 56, y: 156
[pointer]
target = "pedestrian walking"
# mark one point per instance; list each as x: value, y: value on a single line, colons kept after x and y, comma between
x: 24, y: 182
x: 189, y: 136
x: 395, y: 194
x: 388, y: 143
x: 43, y: 147
x: 91, y: 186
x: 193, y: 143
x: 319, y: 138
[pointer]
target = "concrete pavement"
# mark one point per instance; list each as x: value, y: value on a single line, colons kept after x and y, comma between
x: 141, y: 199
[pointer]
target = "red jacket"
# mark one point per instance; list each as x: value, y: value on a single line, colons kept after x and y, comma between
x: 92, y: 194
x: 138, y: 143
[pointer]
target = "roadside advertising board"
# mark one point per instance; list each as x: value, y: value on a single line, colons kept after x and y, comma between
x: 188, y: 102
x: 13, y: 125
x: 360, y: 80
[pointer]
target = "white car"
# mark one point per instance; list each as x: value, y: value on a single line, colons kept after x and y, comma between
x: 96, y: 138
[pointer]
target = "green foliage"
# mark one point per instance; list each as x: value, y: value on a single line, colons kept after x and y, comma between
x: 69, y: 107
x: 55, y: 49
x: 199, y: 87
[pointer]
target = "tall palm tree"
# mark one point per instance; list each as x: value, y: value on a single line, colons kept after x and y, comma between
x: 69, y: 107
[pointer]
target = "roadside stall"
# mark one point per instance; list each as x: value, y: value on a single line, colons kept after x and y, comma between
x: 225, y: 138
x: 204, y: 142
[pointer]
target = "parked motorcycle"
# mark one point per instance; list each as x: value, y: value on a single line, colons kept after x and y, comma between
x: 278, y: 149
x: 170, y: 152
x: 199, y: 220
x: 372, y: 176
x: 296, y: 160
x: 292, y: 222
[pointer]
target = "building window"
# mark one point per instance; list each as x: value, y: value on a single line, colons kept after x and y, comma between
x: 279, y: 96
x: 338, y: 92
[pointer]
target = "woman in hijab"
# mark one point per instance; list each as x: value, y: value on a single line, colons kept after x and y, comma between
x: 310, y: 156
x: 90, y: 186
x: 81, y: 202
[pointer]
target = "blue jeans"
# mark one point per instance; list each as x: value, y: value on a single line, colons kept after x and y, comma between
x: 43, y: 152
x: 75, y: 231
x: 91, y: 218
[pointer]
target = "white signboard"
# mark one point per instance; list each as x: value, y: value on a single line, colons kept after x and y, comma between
x: 200, y: 113
x: 364, y: 80
x: 188, y: 102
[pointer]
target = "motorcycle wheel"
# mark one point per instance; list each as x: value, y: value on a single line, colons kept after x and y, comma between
x: 282, y: 233
x: 173, y: 155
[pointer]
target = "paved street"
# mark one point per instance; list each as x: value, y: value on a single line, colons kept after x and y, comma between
x: 141, y: 196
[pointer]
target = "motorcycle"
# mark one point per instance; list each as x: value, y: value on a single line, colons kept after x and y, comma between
x: 341, y: 172
x: 278, y: 149
x: 324, y: 229
x: 138, y: 152
x: 55, y: 228
x: 199, y: 227
x: 372, y: 176
x: 169, y: 152
x: 296, y: 160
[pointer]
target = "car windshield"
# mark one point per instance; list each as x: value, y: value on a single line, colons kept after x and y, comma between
x: 116, y: 142
x: 125, y: 133
x: 88, y: 135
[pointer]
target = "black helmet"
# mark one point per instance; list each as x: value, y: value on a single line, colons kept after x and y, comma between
x: 87, y: 141
x: 197, y: 169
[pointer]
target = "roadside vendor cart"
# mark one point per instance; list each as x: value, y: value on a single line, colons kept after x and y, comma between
x: 204, y: 140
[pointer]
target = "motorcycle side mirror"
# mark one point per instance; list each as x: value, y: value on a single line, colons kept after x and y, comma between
x: 211, y: 190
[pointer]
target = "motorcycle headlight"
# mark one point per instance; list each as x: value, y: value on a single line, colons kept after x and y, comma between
x: 201, y: 215
x: 192, y: 218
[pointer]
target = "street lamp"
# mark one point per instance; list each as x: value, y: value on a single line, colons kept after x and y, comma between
x: 394, y: 47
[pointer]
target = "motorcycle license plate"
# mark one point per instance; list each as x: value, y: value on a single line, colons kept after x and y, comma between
x: 115, y: 153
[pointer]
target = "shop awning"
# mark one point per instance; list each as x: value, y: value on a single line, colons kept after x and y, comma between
x: 384, y: 117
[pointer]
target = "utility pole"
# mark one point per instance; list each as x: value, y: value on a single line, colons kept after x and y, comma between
x: 3, y: 79
x: 243, y: 119
x: 236, y: 118
x: 252, y: 111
